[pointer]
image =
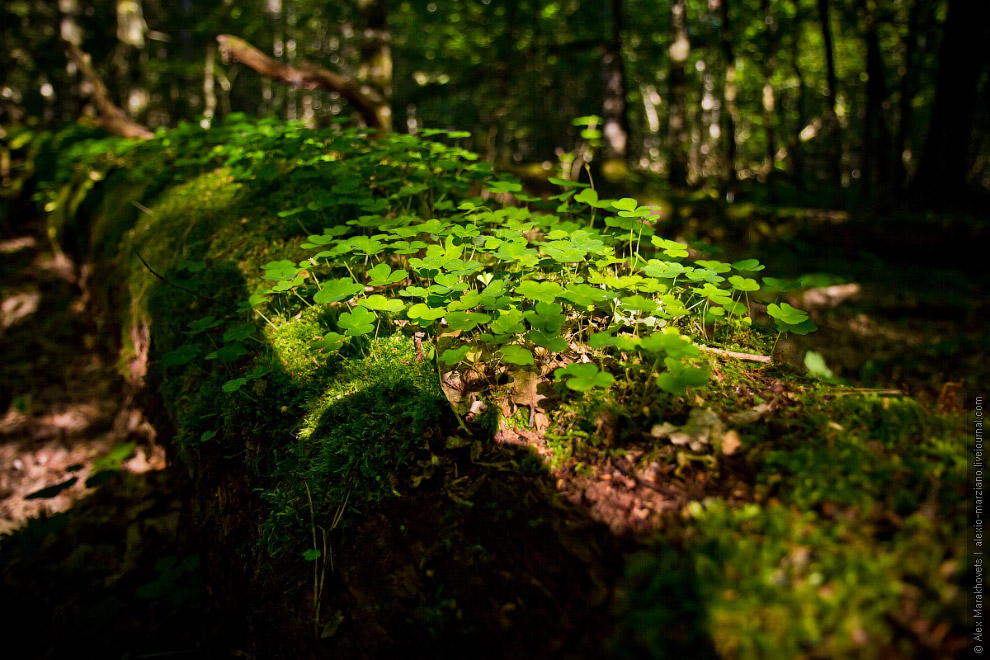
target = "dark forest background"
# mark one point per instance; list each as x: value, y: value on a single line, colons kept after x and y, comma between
x: 840, y: 102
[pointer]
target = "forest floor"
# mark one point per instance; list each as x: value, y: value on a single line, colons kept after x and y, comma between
x: 114, y: 568
x: 93, y: 516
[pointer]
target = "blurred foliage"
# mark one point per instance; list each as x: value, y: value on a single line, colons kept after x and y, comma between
x: 515, y: 73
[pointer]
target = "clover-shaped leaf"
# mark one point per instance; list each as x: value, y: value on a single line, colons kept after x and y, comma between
x: 673, y: 306
x: 805, y: 327
x: 329, y: 343
x: 605, y: 339
x: 453, y: 356
x: 239, y: 333
x: 316, y: 240
x: 817, y: 367
x: 285, y: 285
x: 748, y: 265
x: 233, y: 385
x: 517, y: 251
x: 547, y: 317
x: 625, y: 204
x: 449, y: 280
x: 509, y: 321
x: 358, y: 322
x: 786, y: 314
x: 422, y: 314
x: 281, y: 270
x: 583, y: 295
x: 679, y: 377
x: 499, y: 187
x: 670, y: 248
x: 337, y: 290
x: 780, y: 285
x: 583, y: 377
x: 670, y: 342
x: 639, y: 304
x: 667, y: 270
x: 253, y: 300
x: 258, y: 372
x: 517, y: 355
x: 366, y: 246
x: 717, y: 266
x: 465, y: 321
x: 182, y: 355
x: 743, y: 283
x: 553, y: 343
x: 202, y: 325
x: 587, y: 196
x: 382, y: 304
x: 383, y: 275
x: 228, y: 352
x: 414, y: 292
x: 545, y: 292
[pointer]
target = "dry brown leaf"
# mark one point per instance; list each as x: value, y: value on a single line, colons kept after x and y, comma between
x: 730, y: 443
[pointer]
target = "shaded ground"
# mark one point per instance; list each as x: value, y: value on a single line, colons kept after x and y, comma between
x: 900, y: 300
x: 105, y: 569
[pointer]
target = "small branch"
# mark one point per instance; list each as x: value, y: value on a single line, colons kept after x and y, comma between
x: 748, y: 357
x: 109, y: 116
x: 166, y: 281
x: 306, y: 75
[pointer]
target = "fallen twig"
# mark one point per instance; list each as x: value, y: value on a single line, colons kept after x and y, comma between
x: 167, y: 281
x: 748, y: 357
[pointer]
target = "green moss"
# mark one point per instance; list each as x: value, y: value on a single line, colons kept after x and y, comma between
x: 370, y: 421
x: 858, y: 517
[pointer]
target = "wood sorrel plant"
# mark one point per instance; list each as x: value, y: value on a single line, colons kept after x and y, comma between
x: 573, y: 286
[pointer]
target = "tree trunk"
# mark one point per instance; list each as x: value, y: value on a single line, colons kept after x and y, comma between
x: 108, y: 115
x: 130, y: 56
x: 375, y: 68
x: 875, y: 150
x: 795, y: 149
x: 945, y: 160
x: 729, y: 101
x: 616, y: 125
x: 769, y: 105
x: 209, y: 87
x: 909, y: 85
x: 831, y: 118
x: 680, y: 48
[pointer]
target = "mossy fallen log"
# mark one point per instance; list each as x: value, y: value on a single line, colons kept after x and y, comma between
x: 347, y: 510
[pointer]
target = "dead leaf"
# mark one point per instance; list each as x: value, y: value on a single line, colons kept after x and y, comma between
x: 749, y: 416
x: 525, y: 392
x: 730, y: 443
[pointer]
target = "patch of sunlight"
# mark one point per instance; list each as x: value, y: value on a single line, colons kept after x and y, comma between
x: 18, y: 307
x: 17, y: 244
x: 829, y: 296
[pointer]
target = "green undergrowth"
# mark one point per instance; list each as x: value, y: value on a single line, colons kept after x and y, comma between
x: 853, y: 537
x: 311, y: 290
